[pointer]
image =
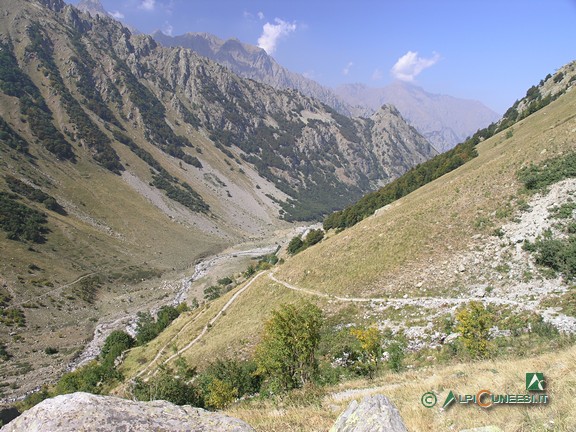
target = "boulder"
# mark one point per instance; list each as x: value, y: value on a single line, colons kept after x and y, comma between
x: 374, y: 414
x: 87, y: 412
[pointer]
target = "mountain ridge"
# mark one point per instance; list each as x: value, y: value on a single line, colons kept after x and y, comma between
x: 127, y: 162
x: 444, y: 120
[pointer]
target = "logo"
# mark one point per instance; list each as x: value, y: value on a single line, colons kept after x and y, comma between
x: 486, y: 399
x: 449, y: 399
x: 535, y: 381
x: 429, y: 399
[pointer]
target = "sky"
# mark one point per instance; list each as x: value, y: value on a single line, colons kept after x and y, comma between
x: 486, y: 50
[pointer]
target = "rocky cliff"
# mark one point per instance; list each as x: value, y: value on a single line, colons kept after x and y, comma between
x: 252, y: 62
x: 444, y: 120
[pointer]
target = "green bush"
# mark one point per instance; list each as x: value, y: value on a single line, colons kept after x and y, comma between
x: 224, y: 380
x: 147, y: 328
x: 4, y: 354
x: 286, y: 354
x: 473, y: 324
x: 90, y: 378
x: 21, y: 222
x: 295, y: 245
x: 555, y: 253
x: 116, y: 343
x: 166, y: 386
x: 536, y: 177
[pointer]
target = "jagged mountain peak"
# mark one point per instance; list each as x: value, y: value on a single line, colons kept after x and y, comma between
x: 444, y: 120
x: 252, y: 62
x: 93, y: 7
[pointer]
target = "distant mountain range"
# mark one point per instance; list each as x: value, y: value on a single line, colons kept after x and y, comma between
x: 252, y: 62
x: 444, y: 120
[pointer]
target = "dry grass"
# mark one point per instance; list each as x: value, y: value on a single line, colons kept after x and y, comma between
x: 406, y: 389
x: 437, y: 220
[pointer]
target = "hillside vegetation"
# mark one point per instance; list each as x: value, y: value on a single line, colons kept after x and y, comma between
x: 443, y: 278
x: 124, y: 162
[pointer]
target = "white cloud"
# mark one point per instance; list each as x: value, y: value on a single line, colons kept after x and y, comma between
x: 409, y: 66
x: 168, y: 29
x: 148, y: 5
x: 347, y: 68
x: 272, y: 33
x: 261, y: 15
x: 377, y: 75
x: 117, y: 15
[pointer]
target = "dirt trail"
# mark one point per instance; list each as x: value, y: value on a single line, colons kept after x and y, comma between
x: 128, y: 322
x: 202, y: 333
x: 563, y: 322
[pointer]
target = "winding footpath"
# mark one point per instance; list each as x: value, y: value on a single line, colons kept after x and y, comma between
x: 563, y: 322
x: 202, y: 333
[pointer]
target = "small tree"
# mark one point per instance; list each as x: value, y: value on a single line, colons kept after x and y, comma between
x: 287, y: 352
x: 220, y: 394
x: 146, y: 329
x: 117, y: 342
x: 371, y: 348
x: 396, y: 356
x: 473, y: 324
x: 295, y: 245
x: 314, y: 236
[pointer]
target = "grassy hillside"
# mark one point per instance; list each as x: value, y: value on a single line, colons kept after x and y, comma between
x: 386, y: 254
x: 308, y: 411
x: 408, y: 268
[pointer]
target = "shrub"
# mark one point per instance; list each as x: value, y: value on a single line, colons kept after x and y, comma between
x: 370, y: 340
x: 235, y: 374
x: 286, y: 354
x: 314, y: 236
x: 166, y: 386
x: 220, y: 394
x: 117, y: 342
x: 396, y: 356
x: 473, y: 323
x: 295, y: 245
x: 4, y: 354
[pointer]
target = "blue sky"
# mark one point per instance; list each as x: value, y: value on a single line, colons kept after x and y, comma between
x: 488, y: 50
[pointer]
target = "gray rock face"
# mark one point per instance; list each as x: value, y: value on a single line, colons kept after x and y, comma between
x: 373, y: 414
x: 252, y: 62
x: 444, y: 120
x: 86, y: 412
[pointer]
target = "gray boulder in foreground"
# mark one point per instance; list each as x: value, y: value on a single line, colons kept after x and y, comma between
x: 374, y: 414
x: 84, y: 412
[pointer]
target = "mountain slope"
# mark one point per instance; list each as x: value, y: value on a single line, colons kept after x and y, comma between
x: 444, y: 120
x: 124, y: 162
x: 252, y: 62
x: 411, y: 265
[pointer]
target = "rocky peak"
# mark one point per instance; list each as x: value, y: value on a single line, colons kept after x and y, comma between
x: 55, y: 5
x: 93, y: 7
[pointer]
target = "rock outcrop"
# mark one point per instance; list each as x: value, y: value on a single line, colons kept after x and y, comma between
x: 86, y: 412
x: 374, y: 414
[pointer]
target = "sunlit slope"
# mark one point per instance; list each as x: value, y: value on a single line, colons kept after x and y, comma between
x: 406, y: 389
x: 386, y: 253
x: 407, y: 249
